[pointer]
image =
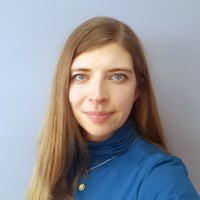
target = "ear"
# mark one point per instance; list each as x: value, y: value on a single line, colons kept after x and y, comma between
x: 136, y: 94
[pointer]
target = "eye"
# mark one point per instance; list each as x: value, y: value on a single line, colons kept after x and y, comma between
x: 118, y: 77
x: 79, y: 77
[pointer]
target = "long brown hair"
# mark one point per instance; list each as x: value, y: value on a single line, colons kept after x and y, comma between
x: 62, y: 154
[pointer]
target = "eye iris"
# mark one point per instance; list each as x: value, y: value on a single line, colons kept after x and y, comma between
x: 80, y: 76
x: 118, y: 76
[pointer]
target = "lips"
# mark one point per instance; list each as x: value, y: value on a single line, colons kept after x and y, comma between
x: 98, y: 116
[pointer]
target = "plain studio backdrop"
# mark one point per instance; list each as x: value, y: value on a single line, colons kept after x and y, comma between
x: 32, y: 34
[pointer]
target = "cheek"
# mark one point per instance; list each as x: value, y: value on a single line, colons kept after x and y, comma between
x: 124, y: 97
x: 124, y: 101
x: 73, y: 96
x: 77, y: 96
x: 127, y: 104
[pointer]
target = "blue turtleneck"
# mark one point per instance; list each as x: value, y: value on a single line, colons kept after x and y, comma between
x: 119, y: 142
x: 126, y: 167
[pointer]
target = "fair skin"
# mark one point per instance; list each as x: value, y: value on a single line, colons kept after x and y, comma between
x: 102, y: 90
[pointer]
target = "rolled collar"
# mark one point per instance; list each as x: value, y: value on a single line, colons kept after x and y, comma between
x: 116, y: 144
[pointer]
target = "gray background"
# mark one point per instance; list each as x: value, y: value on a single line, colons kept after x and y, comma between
x: 32, y: 34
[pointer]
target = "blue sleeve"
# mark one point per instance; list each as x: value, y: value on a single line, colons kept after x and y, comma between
x: 167, y: 180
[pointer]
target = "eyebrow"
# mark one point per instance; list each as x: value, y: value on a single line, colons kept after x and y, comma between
x: 121, y: 69
x: 80, y: 69
x: 111, y: 70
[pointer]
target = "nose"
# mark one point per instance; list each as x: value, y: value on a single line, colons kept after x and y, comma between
x: 99, y: 92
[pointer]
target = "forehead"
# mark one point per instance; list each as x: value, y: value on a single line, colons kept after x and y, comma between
x: 110, y: 55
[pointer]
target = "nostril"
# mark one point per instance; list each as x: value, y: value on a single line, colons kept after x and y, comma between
x: 98, y: 93
x: 98, y: 99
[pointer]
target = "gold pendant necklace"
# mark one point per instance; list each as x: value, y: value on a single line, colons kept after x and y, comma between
x: 86, y: 173
x: 82, y: 186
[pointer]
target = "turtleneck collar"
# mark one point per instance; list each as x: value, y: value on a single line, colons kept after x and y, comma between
x: 121, y: 139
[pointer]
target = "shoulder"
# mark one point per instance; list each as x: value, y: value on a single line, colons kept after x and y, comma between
x: 165, y: 176
x: 149, y: 154
x: 151, y: 158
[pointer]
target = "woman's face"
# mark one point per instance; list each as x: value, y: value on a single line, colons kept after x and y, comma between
x: 102, y: 90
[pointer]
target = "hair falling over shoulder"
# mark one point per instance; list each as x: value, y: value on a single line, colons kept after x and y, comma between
x: 62, y: 154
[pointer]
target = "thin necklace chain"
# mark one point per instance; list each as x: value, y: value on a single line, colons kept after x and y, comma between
x: 86, y: 173
x: 111, y: 157
x: 102, y: 163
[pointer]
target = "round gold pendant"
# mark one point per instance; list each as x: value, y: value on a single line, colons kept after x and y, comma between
x: 82, y: 187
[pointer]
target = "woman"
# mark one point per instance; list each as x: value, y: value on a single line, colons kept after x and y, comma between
x: 102, y: 138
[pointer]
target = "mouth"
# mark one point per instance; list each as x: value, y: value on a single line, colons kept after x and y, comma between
x: 98, y: 116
